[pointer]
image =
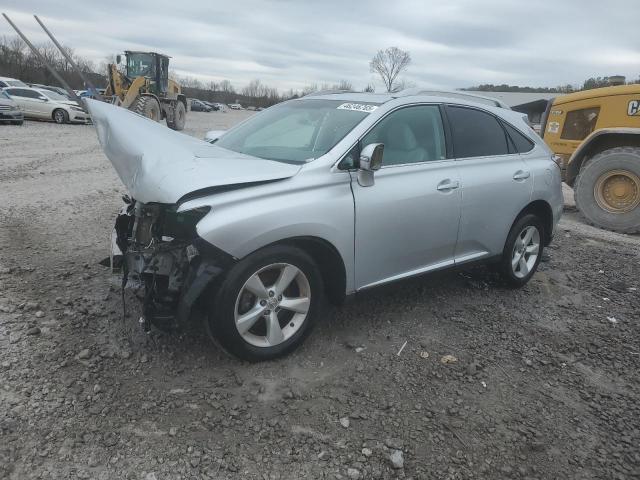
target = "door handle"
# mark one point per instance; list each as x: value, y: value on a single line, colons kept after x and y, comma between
x: 446, y: 185
x: 521, y: 175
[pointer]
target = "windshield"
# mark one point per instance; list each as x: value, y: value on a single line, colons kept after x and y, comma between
x: 53, y: 95
x: 139, y: 65
x: 15, y: 83
x: 296, y: 131
x: 4, y: 95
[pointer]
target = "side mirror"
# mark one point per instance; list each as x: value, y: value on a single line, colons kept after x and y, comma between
x: 45, y: 99
x: 213, y: 135
x: 118, y: 59
x: 370, y: 161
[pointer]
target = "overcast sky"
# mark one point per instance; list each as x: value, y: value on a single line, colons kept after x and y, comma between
x: 290, y: 44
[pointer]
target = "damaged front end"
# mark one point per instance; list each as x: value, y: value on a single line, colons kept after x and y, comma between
x: 163, y: 260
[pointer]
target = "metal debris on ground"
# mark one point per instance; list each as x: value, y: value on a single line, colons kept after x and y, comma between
x: 448, y: 359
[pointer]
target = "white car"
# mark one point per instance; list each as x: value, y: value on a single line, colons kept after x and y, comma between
x: 11, y: 82
x: 235, y: 106
x: 47, y: 105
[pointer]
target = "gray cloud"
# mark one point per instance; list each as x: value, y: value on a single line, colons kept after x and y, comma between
x: 289, y: 43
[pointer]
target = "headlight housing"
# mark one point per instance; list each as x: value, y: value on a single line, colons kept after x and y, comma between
x: 78, y: 109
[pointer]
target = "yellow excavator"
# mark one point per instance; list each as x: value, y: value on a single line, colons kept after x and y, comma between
x: 144, y: 87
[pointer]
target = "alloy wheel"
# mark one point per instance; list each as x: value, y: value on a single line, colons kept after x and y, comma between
x: 59, y: 116
x: 525, y: 251
x: 272, y: 305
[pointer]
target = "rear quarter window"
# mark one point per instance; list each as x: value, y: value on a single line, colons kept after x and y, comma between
x: 520, y: 141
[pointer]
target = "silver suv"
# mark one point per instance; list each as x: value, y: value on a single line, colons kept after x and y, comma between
x: 319, y: 198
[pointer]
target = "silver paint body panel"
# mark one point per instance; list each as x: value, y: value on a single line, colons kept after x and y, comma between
x: 401, y: 226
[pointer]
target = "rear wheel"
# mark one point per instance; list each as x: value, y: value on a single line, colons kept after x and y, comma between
x: 607, y: 190
x: 60, y: 116
x: 17, y: 122
x: 267, y: 304
x: 147, y: 106
x: 522, y: 251
x: 179, y: 117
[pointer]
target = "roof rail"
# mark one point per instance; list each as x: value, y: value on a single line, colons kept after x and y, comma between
x: 452, y: 94
x: 328, y: 92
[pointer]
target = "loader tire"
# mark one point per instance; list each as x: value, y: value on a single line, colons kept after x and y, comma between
x: 179, y: 117
x: 607, y: 190
x: 147, y: 106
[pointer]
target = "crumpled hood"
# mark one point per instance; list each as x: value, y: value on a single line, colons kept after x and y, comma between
x: 158, y: 164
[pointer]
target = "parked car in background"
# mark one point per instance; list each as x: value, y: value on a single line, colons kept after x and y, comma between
x: 214, y: 106
x: 47, y: 105
x: 235, y: 106
x: 11, y: 82
x: 322, y: 197
x: 59, y: 90
x: 199, y: 106
x: 9, y: 110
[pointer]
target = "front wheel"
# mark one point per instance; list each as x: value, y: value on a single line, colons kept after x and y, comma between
x: 267, y: 304
x: 179, y: 117
x: 60, y: 116
x: 522, y: 251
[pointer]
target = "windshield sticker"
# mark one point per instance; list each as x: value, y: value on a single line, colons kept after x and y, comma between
x: 358, y: 107
x: 554, y: 127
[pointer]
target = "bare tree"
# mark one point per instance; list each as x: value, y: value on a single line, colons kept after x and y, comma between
x: 369, y: 88
x: 343, y: 85
x: 225, y: 86
x: 389, y: 64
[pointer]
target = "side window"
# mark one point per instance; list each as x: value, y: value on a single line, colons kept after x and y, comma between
x: 12, y: 91
x: 410, y: 135
x: 580, y: 123
x: 23, y: 92
x: 476, y: 133
x: 520, y: 141
x: 349, y: 161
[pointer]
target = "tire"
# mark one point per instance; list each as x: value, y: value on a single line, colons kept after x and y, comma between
x: 147, y: 106
x: 17, y: 122
x: 598, y: 208
x: 60, y: 116
x: 179, y: 117
x: 515, y: 275
x: 234, y: 300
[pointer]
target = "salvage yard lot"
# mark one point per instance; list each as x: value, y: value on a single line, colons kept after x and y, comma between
x: 546, y: 382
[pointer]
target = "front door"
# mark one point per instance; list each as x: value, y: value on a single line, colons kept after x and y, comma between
x: 407, y: 222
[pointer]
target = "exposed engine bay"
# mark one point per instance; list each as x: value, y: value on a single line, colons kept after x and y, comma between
x: 162, y: 259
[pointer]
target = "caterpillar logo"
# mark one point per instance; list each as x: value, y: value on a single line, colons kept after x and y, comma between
x: 634, y: 107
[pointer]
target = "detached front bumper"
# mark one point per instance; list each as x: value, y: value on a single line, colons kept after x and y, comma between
x: 168, y: 273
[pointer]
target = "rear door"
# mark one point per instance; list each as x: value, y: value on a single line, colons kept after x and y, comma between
x: 496, y: 182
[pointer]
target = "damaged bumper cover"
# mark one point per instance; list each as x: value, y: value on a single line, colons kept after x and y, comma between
x: 161, y: 258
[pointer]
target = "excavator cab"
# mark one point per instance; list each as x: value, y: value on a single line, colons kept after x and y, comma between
x: 151, y: 65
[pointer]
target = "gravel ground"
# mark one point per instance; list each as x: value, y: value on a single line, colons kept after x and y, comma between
x: 538, y: 383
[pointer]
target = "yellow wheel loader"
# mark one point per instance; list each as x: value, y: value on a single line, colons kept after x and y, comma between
x: 145, y: 88
x: 596, y: 133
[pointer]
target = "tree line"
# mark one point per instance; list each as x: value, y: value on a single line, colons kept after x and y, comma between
x: 588, y: 84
